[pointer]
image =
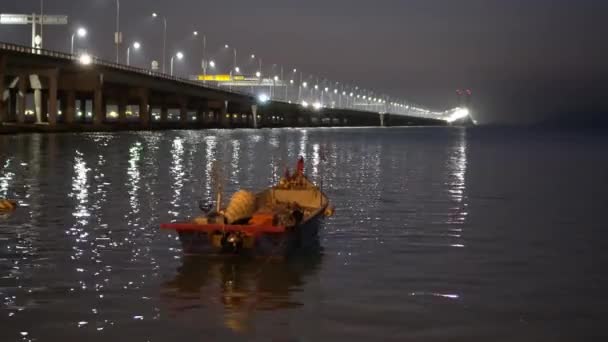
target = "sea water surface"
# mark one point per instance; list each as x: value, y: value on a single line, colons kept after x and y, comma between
x: 440, y: 234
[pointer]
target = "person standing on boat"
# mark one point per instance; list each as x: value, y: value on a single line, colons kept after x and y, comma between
x: 300, y: 166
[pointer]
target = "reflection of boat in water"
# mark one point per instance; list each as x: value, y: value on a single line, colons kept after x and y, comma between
x: 274, y: 221
x: 235, y: 288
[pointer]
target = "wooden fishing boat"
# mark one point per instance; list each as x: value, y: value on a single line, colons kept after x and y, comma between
x: 272, y: 222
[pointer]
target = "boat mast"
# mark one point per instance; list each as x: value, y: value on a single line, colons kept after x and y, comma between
x: 218, y: 185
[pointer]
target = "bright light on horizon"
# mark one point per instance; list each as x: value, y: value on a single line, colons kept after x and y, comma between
x: 263, y: 98
x: 459, y: 113
x: 85, y: 59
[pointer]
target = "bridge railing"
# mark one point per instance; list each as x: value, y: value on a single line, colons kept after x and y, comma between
x: 101, y: 62
x: 416, y: 112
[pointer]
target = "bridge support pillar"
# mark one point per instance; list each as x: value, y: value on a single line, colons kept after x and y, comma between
x: 21, y: 94
x: 52, y: 103
x: 224, y: 121
x: 254, y: 115
x: 202, y: 114
x: 40, y: 105
x: 81, y: 106
x: 122, y: 109
x: 164, y: 114
x: 99, y: 112
x: 183, y: 111
x: 70, y: 107
x: 382, y: 123
x: 12, y: 106
x: 144, y: 111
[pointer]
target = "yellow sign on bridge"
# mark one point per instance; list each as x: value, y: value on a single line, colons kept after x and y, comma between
x: 220, y: 78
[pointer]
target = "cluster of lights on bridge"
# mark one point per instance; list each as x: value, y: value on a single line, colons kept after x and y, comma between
x: 291, y: 87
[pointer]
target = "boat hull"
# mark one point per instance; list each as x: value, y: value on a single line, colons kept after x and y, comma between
x: 265, y: 244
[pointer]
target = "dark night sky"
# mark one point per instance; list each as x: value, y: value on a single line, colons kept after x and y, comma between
x: 525, y: 60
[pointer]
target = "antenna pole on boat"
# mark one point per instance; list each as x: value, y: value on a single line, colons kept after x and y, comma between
x: 218, y: 183
x: 219, y: 201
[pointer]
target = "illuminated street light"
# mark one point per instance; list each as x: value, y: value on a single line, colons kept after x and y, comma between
x: 252, y: 56
x: 304, y: 104
x: 305, y: 84
x: 317, y: 105
x: 237, y: 69
x: 212, y: 64
x: 179, y: 56
x: 258, y: 74
x: 459, y: 113
x: 276, y: 78
x: 81, y: 33
x: 136, y: 46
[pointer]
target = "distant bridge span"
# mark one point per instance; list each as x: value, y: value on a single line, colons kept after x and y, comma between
x: 53, y: 91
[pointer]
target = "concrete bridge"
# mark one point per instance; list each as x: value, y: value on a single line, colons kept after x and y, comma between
x: 42, y: 90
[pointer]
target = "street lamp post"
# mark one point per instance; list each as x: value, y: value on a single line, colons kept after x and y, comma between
x: 136, y: 46
x: 154, y: 15
x: 118, y: 34
x: 274, y: 85
x: 300, y: 88
x: 204, y: 63
x: 302, y: 85
x: 234, y: 59
x: 179, y: 56
x: 81, y: 32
